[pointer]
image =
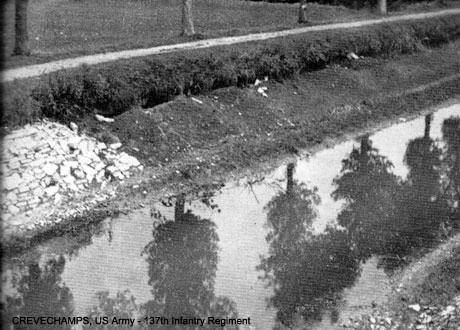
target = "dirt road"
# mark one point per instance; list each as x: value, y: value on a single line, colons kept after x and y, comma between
x: 39, y: 69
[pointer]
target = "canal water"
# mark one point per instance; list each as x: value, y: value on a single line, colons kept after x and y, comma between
x: 310, y: 245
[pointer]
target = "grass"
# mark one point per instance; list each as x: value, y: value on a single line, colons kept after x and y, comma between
x: 114, y: 88
x: 245, y: 125
x: 63, y: 28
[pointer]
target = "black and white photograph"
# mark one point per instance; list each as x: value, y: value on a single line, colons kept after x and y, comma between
x: 230, y: 164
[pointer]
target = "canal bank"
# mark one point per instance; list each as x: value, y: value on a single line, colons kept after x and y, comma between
x: 311, y: 243
x: 425, y: 295
x: 203, y: 141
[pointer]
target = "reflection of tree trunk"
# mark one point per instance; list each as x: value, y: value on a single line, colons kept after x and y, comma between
x: 364, y: 152
x: 382, y: 5
x: 179, y: 208
x: 365, y: 144
x: 21, y: 36
x: 302, y: 14
x: 427, y: 126
x: 187, y: 18
x: 290, y: 178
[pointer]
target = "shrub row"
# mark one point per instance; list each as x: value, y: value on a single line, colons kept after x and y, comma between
x: 114, y: 88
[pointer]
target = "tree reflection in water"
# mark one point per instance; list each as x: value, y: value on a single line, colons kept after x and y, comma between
x: 40, y: 293
x: 182, y: 263
x: 420, y: 206
x: 182, y: 260
x: 306, y: 272
x: 122, y: 306
x: 368, y: 187
x: 383, y: 215
x: 451, y: 137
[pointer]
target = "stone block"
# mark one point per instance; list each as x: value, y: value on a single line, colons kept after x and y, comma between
x: 64, y: 170
x: 23, y: 188
x: 12, y: 196
x: 11, y: 182
x: 50, y: 168
x: 71, y: 163
x: 78, y: 173
x: 84, y: 160
x: 13, y: 209
x: 51, y: 190
x: 39, y: 192
x: 115, y: 146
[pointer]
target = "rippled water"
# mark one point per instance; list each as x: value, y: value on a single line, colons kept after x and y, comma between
x: 310, y: 245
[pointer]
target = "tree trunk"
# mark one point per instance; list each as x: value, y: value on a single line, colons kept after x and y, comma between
x: 187, y: 18
x: 365, y: 145
x: 21, y: 36
x: 302, y: 15
x: 179, y: 207
x: 427, y: 126
x: 382, y: 7
x: 290, y: 178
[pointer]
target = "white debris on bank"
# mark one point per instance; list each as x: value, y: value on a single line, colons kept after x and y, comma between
x: 421, y: 318
x: 46, y: 163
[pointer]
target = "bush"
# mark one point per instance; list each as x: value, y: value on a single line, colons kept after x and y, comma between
x: 20, y: 108
x: 113, y: 88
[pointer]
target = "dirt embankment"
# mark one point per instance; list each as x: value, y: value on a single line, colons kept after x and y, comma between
x: 426, y: 294
x: 201, y: 142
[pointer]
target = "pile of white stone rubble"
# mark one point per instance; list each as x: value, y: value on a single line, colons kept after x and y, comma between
x: 46, y: 163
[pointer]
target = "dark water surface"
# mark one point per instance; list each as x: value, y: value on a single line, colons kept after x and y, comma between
x: 309, y: 246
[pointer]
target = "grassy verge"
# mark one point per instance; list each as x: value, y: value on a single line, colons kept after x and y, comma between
x: 65, y: 28
x: 114, y: 88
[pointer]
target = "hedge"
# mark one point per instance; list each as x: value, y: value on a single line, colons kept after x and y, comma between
x: 114, y: 88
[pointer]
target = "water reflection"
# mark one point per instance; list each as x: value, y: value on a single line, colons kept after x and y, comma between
x: 307, y: 272
x: 451, y: 136
x: 383, y: 215
x: 39, y: 292
x: 123, y: 305
x: 378, y: 214
x: 368, y: 187
x: 182, y: 258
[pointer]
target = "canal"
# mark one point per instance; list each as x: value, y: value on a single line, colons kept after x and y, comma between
x: 309, y: 245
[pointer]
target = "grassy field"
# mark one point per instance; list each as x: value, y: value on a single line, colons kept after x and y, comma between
x: 61, y: 28
x: 65, y: 28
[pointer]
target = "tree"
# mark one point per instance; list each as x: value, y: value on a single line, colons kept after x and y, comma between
x: 302, y: 13
x: 21, y: 35
x: 187, y: 18
x: 382, y: 7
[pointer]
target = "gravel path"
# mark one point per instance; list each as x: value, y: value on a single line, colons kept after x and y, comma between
x: 39, y: 69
